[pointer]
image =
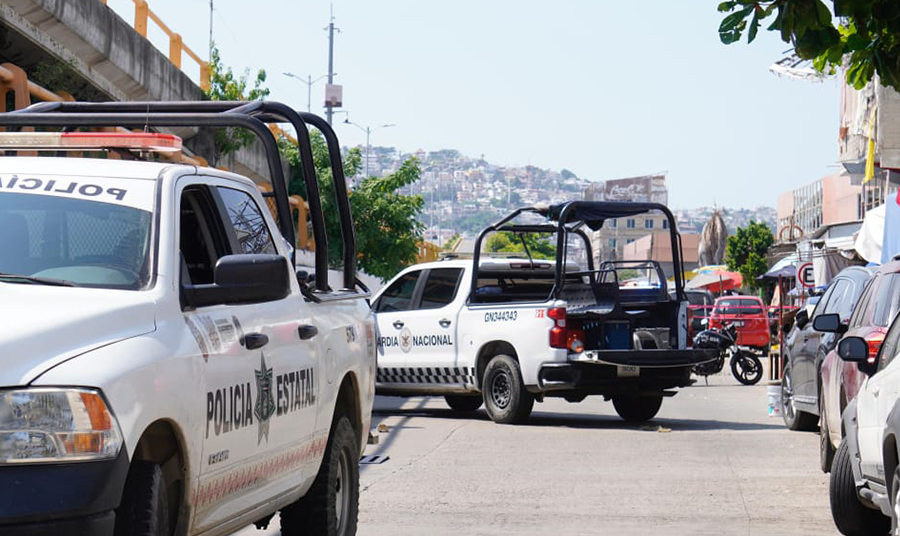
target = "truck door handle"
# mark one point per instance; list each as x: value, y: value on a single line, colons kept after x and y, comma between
x: 398, y: 324
x: 444, y: 323
x: 252, y: 341
x: 307, y: 332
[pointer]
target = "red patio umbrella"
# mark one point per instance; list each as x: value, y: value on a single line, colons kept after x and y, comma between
x: 718, y: 281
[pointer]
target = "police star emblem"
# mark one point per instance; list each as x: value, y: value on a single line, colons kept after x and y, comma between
x: 265, y: 402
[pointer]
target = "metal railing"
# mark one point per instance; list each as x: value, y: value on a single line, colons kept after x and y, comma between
x: 143, y: 14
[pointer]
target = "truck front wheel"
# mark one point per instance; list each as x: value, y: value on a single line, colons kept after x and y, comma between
x: 505, y: 397
x: 637, y: 408
x: 144, y: 507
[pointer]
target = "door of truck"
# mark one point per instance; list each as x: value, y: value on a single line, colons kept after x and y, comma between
x: 432, y: 325
x: 392, y: 312
x: 259, y: 378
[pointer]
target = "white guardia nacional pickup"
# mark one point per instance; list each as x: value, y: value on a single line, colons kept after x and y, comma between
x: 518, y: 330
x: 163, y: 370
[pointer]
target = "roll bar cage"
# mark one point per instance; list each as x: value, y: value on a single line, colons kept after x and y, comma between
x: 254, y: 116
x: 564, y: 226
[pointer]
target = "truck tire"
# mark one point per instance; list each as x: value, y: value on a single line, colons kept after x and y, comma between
x: 793, y: 418
x: 637, y: 408
x: 331, y: 506
x: 144, y: 508
x: 851, y: 517
x: 463, y: 403
x: 826, y: 449
x: 505, y: 397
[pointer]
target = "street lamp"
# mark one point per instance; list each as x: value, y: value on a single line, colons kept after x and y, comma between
x: 309, y: 84
x: 368, y: 130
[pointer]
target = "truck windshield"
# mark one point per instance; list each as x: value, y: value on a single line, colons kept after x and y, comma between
x: 82, y: 242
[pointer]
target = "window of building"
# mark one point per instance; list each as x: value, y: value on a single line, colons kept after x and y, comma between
x: 612, y: 242
x: 613, y: 224
x: 648, y: 224
x: 665, y: 224
x: 630, y: 240
x: 629, y: 223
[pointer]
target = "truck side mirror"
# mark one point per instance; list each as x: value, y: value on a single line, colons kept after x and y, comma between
x: 830, y: 323
x: 243, y: 279
x: 802, y: 318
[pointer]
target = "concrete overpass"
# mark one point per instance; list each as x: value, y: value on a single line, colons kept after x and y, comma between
x: 83, y: 48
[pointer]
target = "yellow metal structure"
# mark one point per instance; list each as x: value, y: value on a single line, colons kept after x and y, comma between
x: 143, y: 15
x: 428, y: 252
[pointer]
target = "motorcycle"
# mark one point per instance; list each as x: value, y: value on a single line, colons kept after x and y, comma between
x: 745, y: 366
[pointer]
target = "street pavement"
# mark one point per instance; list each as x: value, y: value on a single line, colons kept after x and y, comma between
x: 712, y: 462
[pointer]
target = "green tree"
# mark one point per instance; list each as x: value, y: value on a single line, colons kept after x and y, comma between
x: 746, y: 250
x: 387, y: 229
x: 864, y: 32
x: 540, y: 245
x: 225, y: 86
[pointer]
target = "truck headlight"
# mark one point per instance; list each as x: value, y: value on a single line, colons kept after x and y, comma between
x: 55, y: 425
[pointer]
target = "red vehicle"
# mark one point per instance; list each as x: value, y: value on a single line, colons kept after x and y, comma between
x: 749, y: 315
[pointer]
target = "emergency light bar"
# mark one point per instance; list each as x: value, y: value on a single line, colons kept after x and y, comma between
x: 86, y: 141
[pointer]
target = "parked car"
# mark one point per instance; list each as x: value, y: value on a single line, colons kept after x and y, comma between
x: 865, y: 475
x: 876, y: 309
x: 806, y: 348
x: 749, y: 315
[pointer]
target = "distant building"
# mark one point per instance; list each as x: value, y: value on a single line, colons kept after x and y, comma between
x: 827, y: 201
x: 658, y: 247
x: 609, y: 242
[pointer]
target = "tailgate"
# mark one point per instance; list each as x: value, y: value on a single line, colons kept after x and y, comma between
x: 648, y: 358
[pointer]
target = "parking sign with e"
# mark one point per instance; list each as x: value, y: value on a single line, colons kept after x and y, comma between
x: 805, y: 275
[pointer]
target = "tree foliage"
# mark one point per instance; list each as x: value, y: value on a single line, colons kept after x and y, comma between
x: 387, y: 229
x: 866, y: 32
x: 540, y: 245
x: 225, y: 86
x: 746, y: 251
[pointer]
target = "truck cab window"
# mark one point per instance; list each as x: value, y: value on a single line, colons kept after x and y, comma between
x: 440, y: 288
x: 398, y: 297
x: 249, y: 224
x: 201, y: 240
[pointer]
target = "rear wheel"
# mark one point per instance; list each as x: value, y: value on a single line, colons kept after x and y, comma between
x: 144, y: 508
x: 505, y: 397
x: 794, y: 419
x: 463, y: 402
x: 826, y: 449
x: 637, y: 408
x: 851, y: 517
x: 331, y: 506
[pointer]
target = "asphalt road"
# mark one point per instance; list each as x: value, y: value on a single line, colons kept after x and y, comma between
x: 712, y: 462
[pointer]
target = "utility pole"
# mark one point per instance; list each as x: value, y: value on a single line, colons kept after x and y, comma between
x: 210, y: 29
x: 329, y: 110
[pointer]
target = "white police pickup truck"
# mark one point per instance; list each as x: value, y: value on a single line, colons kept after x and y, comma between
x: 517, y: 330
x: 163, y: 370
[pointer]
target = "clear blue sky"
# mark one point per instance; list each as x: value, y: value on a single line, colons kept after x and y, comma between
x: 605, y: 89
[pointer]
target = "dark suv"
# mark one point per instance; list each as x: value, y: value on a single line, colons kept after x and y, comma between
x: 806, y: 349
